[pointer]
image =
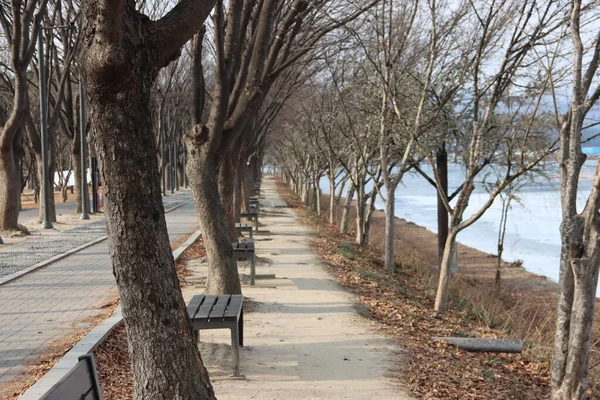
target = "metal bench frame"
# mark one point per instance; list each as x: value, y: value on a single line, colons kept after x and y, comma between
x: 80, y: 383
x: 245, y: 251
x: 220, y: 312
x: 251, y: 215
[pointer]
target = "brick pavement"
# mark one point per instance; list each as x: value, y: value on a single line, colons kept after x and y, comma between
x: 47, y: 304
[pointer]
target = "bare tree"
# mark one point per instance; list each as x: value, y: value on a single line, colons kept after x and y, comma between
x: 121, y: 54
x: 254, y: 42
x: 579, y: 231
x: 20, y: 22
x: 488, y: 96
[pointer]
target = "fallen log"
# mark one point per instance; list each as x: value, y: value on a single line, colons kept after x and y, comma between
x: 484, y: 345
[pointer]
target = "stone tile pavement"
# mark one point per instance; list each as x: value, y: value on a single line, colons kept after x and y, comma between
x: 19, y: 256
x: 47, y: 304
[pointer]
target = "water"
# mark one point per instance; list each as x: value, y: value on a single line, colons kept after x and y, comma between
x: 532, y: 231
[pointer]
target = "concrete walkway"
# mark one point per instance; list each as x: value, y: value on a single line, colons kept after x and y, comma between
x: 303, y: 337
x: 48, y: 304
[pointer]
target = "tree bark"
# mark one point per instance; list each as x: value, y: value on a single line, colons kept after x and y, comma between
x: 390, y: 206
x: 317, y: 193
x: 332, y: 202
x: 203, y: 175
x: 441, y: 300
x: 226, y: 193
x: 76, y: 156
x: 10, y: 185
x: 442, y: 171
x: 121, y: 54
x: 360, y: 213
x: 51, y: 202
x: 346, y: 213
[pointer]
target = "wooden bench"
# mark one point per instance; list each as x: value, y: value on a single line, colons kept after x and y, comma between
x: 220, y: 312
x: 80, y: 383
x: 245, y: 251
x: 251, y: 215
x: 244, y: 227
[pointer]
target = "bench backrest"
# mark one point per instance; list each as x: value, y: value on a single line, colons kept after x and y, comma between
x: 80, y: 383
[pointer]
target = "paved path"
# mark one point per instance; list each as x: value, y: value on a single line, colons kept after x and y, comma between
x: 303, y: 338
x: 19, y: 256
x: 61, y: 208
x: 47, y: 304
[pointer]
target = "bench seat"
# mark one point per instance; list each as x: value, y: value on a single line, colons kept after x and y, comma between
x: 245, y: 251
x: 220, y: 312
x: 244, y: 227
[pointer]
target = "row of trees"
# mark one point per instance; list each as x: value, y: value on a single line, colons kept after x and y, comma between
x: 485, y: 82
x: 158, y: 75
x: 375, y: 89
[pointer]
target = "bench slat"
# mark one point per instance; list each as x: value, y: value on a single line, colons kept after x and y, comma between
x: 219, y: 309
x: 206, y: 307
x: 235, y: 307
x: 243, y: 246
x: 194, y: 305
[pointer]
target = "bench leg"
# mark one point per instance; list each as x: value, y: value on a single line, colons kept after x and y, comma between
x: 235, y: 350
x: 253, y: 269
x: 241, y: 328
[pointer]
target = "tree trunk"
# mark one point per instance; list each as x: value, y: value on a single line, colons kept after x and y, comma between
x: 390, y: 259
x: 237, y: 196
x: 305, y: 190
x: 442, y: 213
x: 10, y: 194
x: 574, y: 381
x: 202, y: 172
x: 346, y: 213
x: 332, y: 202
x: 360, y: 214
x: 441, y: 300
x: 226, y: 193
x: 76, y: 156
x: 247, y: 186
x: 120, y: 59
x: 317, y: 178
x: 369, y: 209
x: 52, y: 211
x: 165, y: 362
x: 168, y: 176
x: 181, y: 174
x: 314, y: 194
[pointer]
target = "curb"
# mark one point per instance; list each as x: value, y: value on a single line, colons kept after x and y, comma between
x: 90, y: 342
x: 60, y: 256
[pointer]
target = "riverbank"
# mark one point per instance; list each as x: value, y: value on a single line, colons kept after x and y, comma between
x: 522, y: 307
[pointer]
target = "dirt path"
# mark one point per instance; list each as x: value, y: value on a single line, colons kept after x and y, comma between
x: 304, y: 338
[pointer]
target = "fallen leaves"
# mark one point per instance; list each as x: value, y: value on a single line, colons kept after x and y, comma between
x: 403, y: 305
x: 112, y: 357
